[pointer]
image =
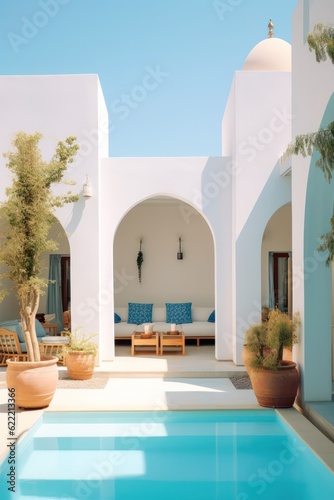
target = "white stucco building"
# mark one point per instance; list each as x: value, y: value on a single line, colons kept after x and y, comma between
x: 242, y: 216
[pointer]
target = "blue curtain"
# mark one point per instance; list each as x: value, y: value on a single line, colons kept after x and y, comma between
x: 54, y: 297
x: 271, y: 280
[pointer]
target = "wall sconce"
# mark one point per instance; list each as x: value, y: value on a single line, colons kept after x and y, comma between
x: 87, y: 188
x: 179, y: 253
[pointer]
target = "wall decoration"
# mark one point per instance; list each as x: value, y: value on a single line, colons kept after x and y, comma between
x: 140, y: 259
x: 180, y: 253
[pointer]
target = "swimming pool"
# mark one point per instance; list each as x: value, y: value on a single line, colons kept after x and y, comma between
x: 229, y: 455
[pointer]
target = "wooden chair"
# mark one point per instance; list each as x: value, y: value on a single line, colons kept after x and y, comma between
x: 10, y: 347
x: 53, y: 350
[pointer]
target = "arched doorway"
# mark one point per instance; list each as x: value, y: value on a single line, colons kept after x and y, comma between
x: 317, y: 342
x: 57, y: 298
x: 276, y: 255
x: 160, y: 222
x: 10, y: 307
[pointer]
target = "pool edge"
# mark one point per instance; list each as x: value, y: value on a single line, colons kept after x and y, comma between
x: 321, y: 446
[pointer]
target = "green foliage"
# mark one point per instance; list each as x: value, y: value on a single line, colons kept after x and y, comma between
x: 323, y: 142
x: 29, y: 208
x: 327, y: 244
x: 256, y: 337
x: 281, y: 332
x: 82, y: 343
x: 28, y: 214
x: 266, y: 340
x: 322, y: 42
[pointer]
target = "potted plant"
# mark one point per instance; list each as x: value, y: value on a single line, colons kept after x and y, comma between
x: 255, y: 346
x: 80, y: 356
x: 275, y: 380
x: 28, y: 214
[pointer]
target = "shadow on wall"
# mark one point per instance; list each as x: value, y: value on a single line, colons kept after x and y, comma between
x: 160, y: 222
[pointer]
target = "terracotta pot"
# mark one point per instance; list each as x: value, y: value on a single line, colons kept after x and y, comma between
x: 80, y: 366
x: 247, y: 357
x: 34, y: 382
x: 276, y: 388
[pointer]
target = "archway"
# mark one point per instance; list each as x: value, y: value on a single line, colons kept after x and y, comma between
x: 276, y: 255
x: 317, y: 341
x: 57, y: 298
x: 10, y: 307
x: 161, y: 221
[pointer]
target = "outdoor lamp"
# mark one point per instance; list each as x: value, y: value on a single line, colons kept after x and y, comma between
x: 87, y: 188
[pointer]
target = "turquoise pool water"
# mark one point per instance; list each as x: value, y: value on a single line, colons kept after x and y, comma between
x: 197, y: 455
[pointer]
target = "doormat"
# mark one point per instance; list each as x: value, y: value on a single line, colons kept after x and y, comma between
x: 241, y: 382
x: 93, y: 383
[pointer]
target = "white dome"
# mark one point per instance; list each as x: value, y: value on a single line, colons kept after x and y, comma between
x: 272, y: 54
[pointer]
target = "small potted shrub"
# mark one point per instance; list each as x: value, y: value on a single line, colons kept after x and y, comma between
x: 254, y: 349
x: 80, y: 356
x: 275, y: 380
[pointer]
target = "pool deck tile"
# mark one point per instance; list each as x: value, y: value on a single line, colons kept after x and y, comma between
x: 321, y: 446
x: 150, y: 394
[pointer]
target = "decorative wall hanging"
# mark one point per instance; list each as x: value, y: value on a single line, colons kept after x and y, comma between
x: 140, y: 259
x: 179, y: 253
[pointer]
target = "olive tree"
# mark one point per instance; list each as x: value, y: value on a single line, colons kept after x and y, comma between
x: 28, y: 214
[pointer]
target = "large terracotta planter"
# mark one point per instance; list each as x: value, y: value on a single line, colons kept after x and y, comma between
x: 276, y: 388
x: 247, y: 357
x: 34, y: 382
x: 80, y: 366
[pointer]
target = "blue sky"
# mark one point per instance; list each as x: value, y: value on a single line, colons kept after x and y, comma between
x: 165, y: 66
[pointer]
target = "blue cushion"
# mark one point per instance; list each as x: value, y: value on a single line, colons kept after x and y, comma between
x: 139, y: 313
x: 212, y: 317
x: 14, y: 325
x: 117, y: 318
x: 178, y: 313
x: 40, y: 332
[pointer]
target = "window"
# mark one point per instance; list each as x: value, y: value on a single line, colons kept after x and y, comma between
x: 281, y: 281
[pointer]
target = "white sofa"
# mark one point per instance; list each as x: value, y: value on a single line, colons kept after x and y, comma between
x: 199, y: 329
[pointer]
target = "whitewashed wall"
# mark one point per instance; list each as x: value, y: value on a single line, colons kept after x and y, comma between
x: 312, y: 87
x: 60, y: 106
x: 258, y: 112
x: 164, y: 278
x: 205, y: 185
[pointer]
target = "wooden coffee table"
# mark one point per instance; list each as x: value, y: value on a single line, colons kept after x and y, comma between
x: 137, y: 340
x: 167, y: 339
